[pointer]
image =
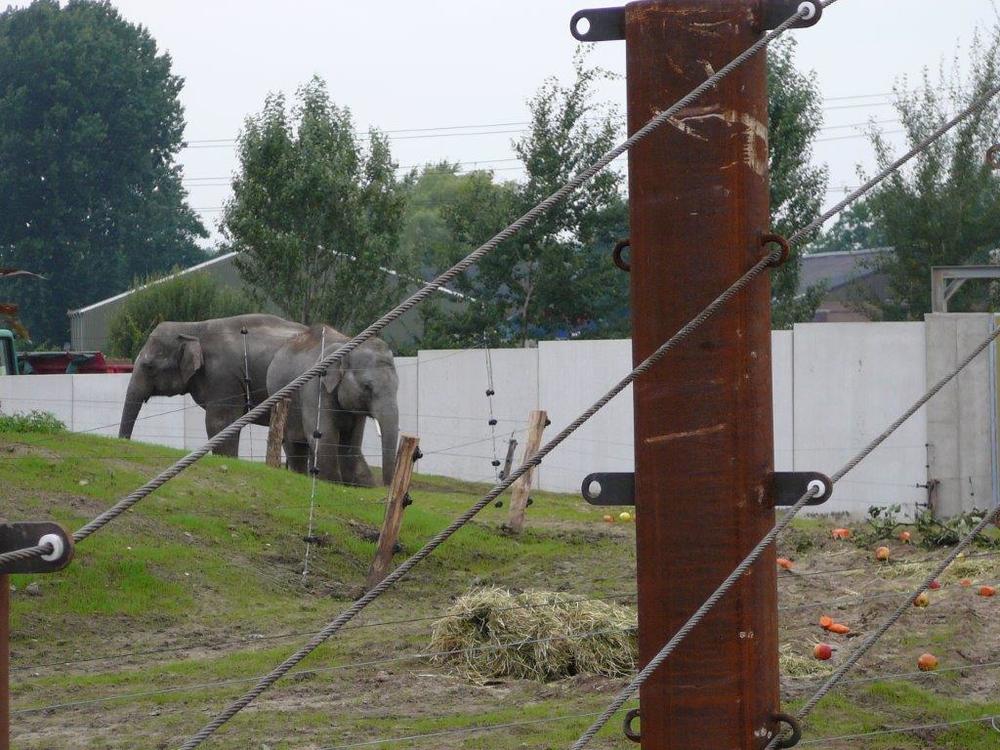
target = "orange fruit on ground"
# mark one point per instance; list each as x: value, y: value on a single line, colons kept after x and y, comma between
x: 935, y: 585
x: 841, y: 533
x: 825, y: 622
x: 784, y: 562
x: 904, y: 537
x: 822, y: 651
x: 609, y: 519
x: 922, y: 600
x: 927, y: 662
x: 987, y: 591
x: 839, y: 629
x: 965, y: 582
x: 882, y: 554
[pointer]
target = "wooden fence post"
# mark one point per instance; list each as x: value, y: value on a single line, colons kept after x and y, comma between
x: 276, y: 433
x: 519, y: 496
x: 398, y: 500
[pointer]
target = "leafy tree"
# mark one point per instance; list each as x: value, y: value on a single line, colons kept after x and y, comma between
x: 189, y: 297
x: 90, y: 126
x: 315, y: 217
x: 797, y: 187
x: 854, y: 229
x: 945, y: 209
x: 554, y: 279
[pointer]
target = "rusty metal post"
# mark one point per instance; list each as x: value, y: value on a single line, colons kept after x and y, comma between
x: 703, y: 432
x: 4, y: 662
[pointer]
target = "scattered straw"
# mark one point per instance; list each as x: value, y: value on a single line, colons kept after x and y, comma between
x: 792, y: 664
x: 494, y: 633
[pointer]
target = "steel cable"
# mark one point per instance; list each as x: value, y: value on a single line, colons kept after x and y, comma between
x: 903, y: 608
x: 748, y: 562
x: 415, y: 299
x: 442, y: 536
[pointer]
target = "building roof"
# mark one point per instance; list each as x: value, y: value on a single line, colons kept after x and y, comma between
x: 225, y: 260
x: 837, y: 269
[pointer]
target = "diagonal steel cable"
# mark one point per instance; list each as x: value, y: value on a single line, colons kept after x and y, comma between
x: 442, y: 536
x: 903, y: 608
x: 529, y: 218
x: 630, y: 690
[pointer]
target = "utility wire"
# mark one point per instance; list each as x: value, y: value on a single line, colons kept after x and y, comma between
x: 757, y: 551
x: 418, y: 297
x: 917, y: 727
x: 530, y: 462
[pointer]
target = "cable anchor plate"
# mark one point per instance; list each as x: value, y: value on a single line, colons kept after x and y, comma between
x: 15, y: 536
x: 608, y: 24
x: 787, y: 488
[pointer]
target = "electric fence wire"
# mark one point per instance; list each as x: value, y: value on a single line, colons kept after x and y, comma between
x: 530, y: 462
x: 314, y: 469
x: 755, y: 554
x: 442, y: 536
x: 490, y: 393
x: 529, y: 218
x: 419, y: 656
x: 903, y: 608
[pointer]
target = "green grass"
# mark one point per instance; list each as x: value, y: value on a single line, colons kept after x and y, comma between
x: 211, y: 562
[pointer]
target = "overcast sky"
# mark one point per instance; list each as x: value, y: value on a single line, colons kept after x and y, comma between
x: 438, y: 64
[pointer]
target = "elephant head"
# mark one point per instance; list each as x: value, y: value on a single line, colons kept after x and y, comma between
x: 365, y: 383
x: 165, y: 366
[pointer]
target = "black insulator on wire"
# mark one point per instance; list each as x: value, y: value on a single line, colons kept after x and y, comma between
x: 314, y: 471
x: 493, y: 422
x: 496, y: 462
x: 490, y: 392
x: 317, y: 434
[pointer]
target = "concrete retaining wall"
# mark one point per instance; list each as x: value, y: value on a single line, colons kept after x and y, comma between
x: 836, y: 386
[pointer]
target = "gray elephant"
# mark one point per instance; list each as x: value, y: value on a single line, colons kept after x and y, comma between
x: 362, y: 385
x: 207, y: 360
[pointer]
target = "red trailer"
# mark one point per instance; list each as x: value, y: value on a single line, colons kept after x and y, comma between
x: 56, y: 363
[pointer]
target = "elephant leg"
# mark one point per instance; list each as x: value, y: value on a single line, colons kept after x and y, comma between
x: 297, y: 456
x: 215, y: 422
x: 352, y: 461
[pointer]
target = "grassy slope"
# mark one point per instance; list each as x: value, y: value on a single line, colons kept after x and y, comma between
x: 209, y: 566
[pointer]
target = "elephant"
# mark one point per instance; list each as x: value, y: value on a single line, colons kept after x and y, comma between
x: 207, y: 360
x: 362, y: 385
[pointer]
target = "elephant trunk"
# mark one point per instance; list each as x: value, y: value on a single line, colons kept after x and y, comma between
x: 388, y: 422
x: 135, y: 397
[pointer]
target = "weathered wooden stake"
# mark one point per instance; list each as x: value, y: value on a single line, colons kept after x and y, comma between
x: 276, y: 434
x: 4, y: 662
x: 398, y: 496
x: 519, y: 495
x: 508, y: 462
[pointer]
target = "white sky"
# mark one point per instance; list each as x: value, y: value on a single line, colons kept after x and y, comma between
x: 445, y: 63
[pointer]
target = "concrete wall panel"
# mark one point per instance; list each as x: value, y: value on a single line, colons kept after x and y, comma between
x: 852, y: 380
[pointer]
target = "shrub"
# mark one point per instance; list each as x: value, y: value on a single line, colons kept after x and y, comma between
x: 184, y: 298
x: 41, y: 422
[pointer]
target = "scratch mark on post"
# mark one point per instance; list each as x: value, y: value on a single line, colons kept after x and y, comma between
x: 754, y: 136
x: 690, y: 433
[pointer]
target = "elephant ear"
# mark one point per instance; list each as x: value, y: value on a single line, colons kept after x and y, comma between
x: 191, y: 359
x: 332, y: 377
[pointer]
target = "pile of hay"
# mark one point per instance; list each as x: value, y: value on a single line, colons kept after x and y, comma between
x: 492, y: 633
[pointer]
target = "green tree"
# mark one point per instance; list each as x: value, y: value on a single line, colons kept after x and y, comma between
x: 316, y: 218
x: 189, y: 297
x: 553, y: 279
x: 90, y: 126
x: 797, y: 186
x: 945, y: 209
x: 855, y: 229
